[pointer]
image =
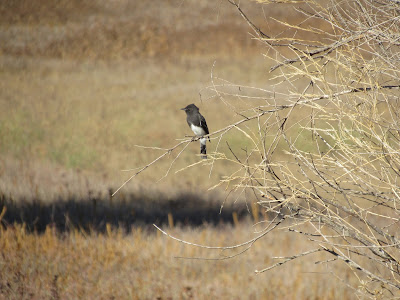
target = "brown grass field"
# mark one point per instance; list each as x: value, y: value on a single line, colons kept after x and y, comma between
x: 82, y: 83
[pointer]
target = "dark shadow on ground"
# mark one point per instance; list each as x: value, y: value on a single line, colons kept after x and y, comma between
x: 94, y: 213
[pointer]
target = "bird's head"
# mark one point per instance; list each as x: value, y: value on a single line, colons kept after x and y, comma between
x: 190, y: 108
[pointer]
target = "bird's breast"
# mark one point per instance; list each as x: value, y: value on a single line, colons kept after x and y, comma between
x: 197, y: 130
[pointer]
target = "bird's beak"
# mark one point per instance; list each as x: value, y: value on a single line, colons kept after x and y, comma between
x: 183, y: 108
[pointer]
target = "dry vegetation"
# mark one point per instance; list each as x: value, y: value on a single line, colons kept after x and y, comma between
x: 81, y: 83
x: 143, y: 265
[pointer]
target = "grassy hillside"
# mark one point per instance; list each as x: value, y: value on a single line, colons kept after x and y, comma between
x: 82, y: 89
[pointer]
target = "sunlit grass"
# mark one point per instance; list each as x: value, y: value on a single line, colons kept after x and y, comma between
x: 92, y: 116
x: 143, y: 265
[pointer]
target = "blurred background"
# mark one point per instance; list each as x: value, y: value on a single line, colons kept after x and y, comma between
x: 83, y: 82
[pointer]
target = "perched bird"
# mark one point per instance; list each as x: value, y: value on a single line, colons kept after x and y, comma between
x: 198, y: 125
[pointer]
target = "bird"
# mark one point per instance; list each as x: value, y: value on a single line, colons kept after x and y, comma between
x: 198, y: 125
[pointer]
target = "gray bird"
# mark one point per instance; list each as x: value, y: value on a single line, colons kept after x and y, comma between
x: 198, y: 125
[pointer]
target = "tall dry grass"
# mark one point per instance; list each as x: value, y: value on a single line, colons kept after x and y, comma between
x: 142, y: 265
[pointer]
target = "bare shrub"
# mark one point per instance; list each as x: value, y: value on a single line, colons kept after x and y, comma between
x: 323, y: 138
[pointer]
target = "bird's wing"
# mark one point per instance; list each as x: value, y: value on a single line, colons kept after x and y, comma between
x: 203, y: 124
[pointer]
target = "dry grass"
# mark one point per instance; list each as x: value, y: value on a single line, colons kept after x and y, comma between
x: 141, y: 265
x: 63, y: 249
x: 86, y: 111
x: 117, y: 30
x: 91, y: 116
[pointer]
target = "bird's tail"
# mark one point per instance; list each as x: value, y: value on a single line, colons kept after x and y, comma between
x: 203, y: 148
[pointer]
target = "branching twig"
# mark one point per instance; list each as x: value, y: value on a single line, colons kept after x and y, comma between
x: 288, y: 259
